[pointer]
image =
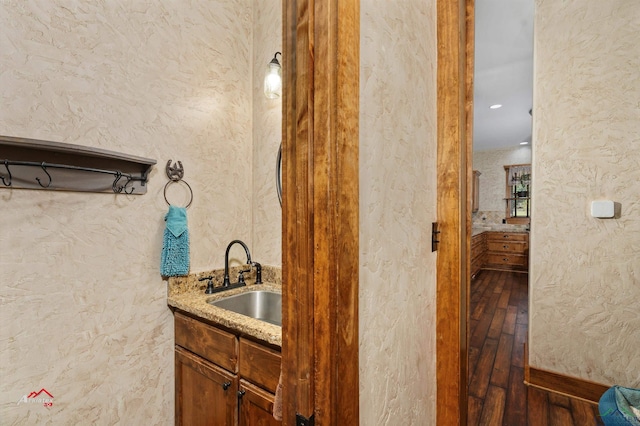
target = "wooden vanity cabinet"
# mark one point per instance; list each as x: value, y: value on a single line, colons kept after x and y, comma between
x: 222, y: 379
x: 508, y: 250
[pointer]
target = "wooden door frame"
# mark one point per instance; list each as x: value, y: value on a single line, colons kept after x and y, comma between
x: 455, y: 119
x: 320, y: 209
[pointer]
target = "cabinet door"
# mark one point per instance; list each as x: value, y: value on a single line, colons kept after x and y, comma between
x: 206, y: 395
x: 256, y: 406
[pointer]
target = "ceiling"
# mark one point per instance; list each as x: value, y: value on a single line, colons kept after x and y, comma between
x: 503, y: 73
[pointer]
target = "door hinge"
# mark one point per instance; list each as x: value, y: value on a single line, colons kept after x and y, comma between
x: 434, y: 236
x: 303, y: 421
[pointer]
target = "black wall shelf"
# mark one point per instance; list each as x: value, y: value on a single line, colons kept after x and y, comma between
x: 37, y: 164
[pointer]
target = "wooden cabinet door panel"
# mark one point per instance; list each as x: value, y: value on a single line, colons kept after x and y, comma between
x: 477, y: 241
x: 475, y: 268
x: 206, y: 395
x: 256, y: 406
x: 478, y: 253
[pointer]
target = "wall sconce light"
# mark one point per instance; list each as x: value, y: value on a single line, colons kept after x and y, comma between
x: 273, y: 78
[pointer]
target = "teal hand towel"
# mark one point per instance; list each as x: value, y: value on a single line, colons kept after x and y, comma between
x: 175, y: 244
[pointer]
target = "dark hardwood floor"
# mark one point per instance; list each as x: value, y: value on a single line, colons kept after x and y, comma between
x: 498, y: 331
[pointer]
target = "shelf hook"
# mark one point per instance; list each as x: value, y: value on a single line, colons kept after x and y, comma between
x: 117, y: 189
x: 124, y: 187
x: 6, y: 182
x: 44, y: 168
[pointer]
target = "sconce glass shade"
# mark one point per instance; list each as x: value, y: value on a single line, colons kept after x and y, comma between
x: 273, y: 78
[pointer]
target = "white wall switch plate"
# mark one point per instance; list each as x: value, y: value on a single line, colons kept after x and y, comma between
x: 603, y: 209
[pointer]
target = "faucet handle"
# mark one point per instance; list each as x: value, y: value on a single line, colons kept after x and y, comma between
x: 258, y: 272
x: 209, y: 289
x: 241, y: 276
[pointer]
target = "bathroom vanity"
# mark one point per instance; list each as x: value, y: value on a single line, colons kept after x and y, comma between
x: 222, y: 378
x: 227, y: 365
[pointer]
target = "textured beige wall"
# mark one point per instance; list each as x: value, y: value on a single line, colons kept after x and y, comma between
x: 267, y: 133
x: 585, y: 272
x: 492, y: 180
x: 397, y: 206
x: 83, y: 308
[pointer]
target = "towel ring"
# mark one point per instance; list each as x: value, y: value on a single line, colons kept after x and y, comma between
x: 175, y: 174
x: 176, y: 181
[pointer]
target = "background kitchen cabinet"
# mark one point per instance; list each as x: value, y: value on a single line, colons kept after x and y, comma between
x: 478, y: 253
x: 508, y: 250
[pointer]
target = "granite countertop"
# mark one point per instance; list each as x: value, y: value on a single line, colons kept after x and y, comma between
x: 476, y: 230
x: 187, y: 294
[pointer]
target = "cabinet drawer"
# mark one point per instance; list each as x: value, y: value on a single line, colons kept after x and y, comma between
x: 210, y: 343
x: 259, y: 364
x: 507, y: 259
x: 508, y: 236
x: 508, y: 246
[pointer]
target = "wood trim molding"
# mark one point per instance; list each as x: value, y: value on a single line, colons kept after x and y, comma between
x: 468, y: 193
x: 320, y: 211
x: 297, y: 295
x: 336, y: 209
x: 566, y: 385
x: 454, y: 176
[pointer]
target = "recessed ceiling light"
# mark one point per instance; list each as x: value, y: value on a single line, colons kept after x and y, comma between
x: 524, y: 143
x: 496, y: 106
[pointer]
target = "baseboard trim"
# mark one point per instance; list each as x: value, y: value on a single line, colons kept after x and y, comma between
x: 565, y: 385
x: 496, y: 268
